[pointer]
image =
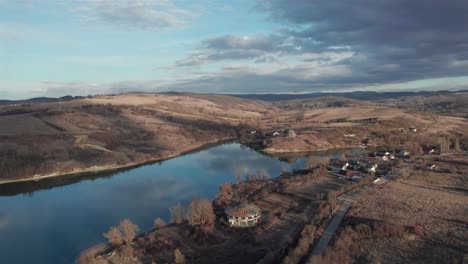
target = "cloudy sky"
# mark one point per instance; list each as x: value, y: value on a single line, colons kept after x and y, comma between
x: 61, y: 47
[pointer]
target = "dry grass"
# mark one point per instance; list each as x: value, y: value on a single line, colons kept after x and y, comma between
x: 421, y: 219
x: 129, y: 129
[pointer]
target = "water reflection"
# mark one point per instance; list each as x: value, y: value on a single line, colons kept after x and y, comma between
x: 56, y: 219
x: 4, y: 221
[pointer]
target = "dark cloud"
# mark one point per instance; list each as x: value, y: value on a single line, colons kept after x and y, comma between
x: 395, y: 40
x: 340, y: 44
x: 228, y: 47
x: 327, y: 45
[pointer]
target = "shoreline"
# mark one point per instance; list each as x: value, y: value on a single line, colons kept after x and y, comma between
x: 112, y: 168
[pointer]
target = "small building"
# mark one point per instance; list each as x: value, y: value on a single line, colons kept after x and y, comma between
x: 430, y: 149
x: 276, y: 133
x: 350, y: 135
x: 345, y: 167
x: 244, y: 215
x: 372, y: 168
x: 346, y: 173
x: 253, y: 132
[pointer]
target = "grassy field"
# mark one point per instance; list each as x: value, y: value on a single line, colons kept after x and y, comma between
x: 419, y: 218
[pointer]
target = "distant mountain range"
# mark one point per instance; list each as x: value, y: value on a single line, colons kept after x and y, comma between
x: 360, y: 95
x: 42, y: 100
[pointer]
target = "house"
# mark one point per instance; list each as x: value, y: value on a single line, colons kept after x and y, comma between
x: 430, y: 150
x: 276, y: 133
x: 382, y: 155
x: 372, y: 168
x: 244, y: 215
x: 291, y: 133
x: 345, y: 167
x: 350, y: 135
x: 253, y: 132
x: 335, y: 165
x: 413, y: 129
x: 366, y: 165
x: 346, y: 173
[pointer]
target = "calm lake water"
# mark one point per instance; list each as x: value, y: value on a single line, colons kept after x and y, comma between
x: 53, y: 221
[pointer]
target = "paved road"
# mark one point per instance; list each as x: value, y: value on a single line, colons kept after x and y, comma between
x: 333, y: 226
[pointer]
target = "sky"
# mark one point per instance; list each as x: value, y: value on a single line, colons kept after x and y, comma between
x: 65, y: 47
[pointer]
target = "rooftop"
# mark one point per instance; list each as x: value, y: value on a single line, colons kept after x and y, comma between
x: 242, y: 210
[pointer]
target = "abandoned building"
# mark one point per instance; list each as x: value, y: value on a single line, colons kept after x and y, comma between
x: 244, y: 215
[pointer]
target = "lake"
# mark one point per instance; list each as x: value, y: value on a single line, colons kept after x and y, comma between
x: 52, y: 221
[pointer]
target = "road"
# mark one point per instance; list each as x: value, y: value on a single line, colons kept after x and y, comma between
x: 333, y: 226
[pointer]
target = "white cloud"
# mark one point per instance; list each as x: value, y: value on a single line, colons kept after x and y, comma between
x: 153, y: 15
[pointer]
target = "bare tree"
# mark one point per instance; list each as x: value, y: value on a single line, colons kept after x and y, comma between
x: 201, y: 212
x: 179, y: 258
x: 300, y: 117
x: 331, y: 198
x: 114, y: 236
x: 239, y: 171
x: 302, y: 247
x: 225, y: 192
x: 317, y: 161
x: 177, y: 214
x: 263, y: 174
x: 159, y: 223
x: 128, y: 230
x: 456, y: 145
x: 391, y: 142
x: 444, y: 145
x: 413, y: 148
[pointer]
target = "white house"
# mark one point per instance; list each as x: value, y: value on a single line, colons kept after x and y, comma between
x: 373, y: 168
x: 244, y: 215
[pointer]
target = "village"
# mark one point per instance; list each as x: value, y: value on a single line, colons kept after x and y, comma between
x: 281, y: 218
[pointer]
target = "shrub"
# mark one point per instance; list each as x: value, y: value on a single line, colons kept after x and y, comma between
x: 239, y: 171
x: 444, y: 145
x: 177, y: 214
x: 114, y: 236
x: 125, y: 232
x: 331, y: 198
x: 200, y: 212
x: 363, y: 229
x: 263, y: 174
x: 127, y: 251
x: 303, y: 245
x: 128, y: 230
x: 159, y: 223
x: 179, y: 258
x: 314, y: 161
